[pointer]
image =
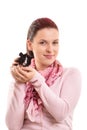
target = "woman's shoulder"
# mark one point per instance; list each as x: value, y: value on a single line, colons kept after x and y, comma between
x: 71, y: 71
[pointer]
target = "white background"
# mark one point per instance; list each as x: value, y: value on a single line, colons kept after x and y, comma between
x: 71, y: 18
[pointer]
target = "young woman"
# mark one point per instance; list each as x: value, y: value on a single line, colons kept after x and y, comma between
x: 44, y: 94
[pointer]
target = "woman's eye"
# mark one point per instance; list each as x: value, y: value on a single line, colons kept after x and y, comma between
x: 55, y: 42
x: 43, y: 43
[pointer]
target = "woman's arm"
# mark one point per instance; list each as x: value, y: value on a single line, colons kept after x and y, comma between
x: 15, y: 110
x: 60, y: 106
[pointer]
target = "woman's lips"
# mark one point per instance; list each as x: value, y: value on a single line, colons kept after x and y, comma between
x: 49, y: 56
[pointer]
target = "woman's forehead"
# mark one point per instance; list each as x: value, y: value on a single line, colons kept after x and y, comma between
x: 46, y: 32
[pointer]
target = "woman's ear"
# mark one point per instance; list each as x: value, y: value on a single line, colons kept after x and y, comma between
x: 29, y: 45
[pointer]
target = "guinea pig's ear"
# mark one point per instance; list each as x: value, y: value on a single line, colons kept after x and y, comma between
x: 29, y: 45
x: 21, y: 54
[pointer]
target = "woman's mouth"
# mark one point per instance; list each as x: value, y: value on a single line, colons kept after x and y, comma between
x: 49, y: 56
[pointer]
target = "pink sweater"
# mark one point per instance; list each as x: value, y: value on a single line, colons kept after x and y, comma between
x: 59, y: 102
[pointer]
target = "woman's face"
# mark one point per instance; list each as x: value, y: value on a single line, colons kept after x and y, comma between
x: 45, y: 47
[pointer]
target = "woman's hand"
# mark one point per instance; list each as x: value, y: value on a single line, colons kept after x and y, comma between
x: 22, y: 74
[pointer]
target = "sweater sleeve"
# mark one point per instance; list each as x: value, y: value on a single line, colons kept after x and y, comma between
x: 60, y: 106
x: 15, y: 108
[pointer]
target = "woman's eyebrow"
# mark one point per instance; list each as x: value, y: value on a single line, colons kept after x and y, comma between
x: 43, y: 40
x: 56, y: 40
x: 46, y: 40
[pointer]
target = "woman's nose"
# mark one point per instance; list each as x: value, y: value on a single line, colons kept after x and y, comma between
x: 49, y: 48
